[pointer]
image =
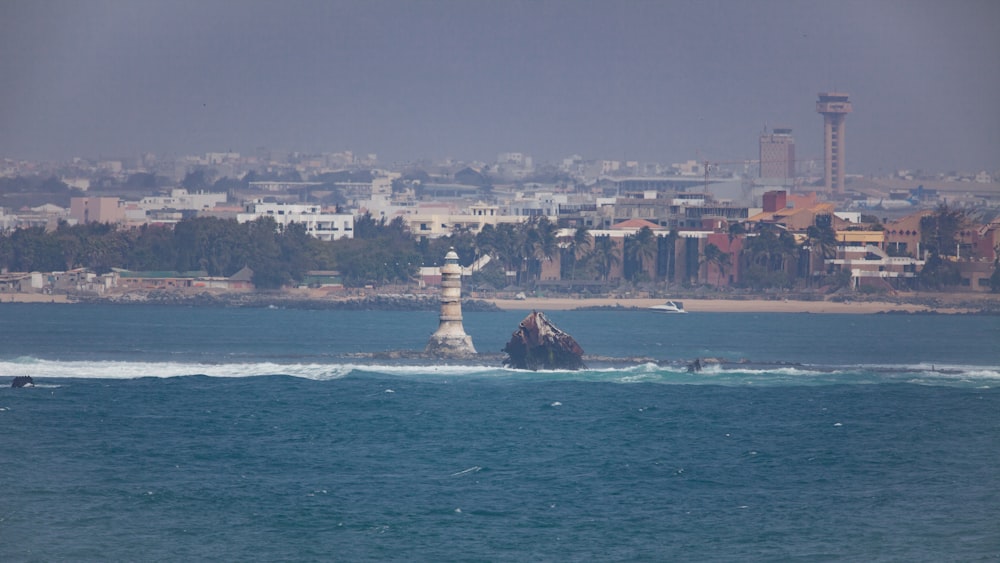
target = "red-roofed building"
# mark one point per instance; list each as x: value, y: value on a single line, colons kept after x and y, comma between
x: 636, y: 225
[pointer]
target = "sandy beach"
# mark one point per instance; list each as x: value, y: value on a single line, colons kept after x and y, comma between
x: 948, y: 304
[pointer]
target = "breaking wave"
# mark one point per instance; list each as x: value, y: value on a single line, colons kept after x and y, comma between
x: 762, y: 375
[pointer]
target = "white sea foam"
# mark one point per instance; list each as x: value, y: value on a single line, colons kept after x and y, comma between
x: 641, y: 378
x: 405, y: 370
x: 930, y: 374
x: 799, y: 371
x: 725, y: 374
x: 473, y: 469
x: 133, y: 370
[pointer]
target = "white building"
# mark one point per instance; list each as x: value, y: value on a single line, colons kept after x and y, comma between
x: 7, y: 222
x: 516, y: 159
x: 440, y: 219
x: 539, y: 203
x: 180, y: 199
x: 318, y: 222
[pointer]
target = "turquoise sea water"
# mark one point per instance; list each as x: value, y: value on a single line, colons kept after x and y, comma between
x: 173, y: 433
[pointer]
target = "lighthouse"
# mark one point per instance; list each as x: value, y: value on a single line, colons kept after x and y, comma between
x: 450, y: 340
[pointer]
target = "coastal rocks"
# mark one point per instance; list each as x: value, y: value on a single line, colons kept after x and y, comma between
x: 378, y: 302
x: 23, y: 381
x: 701, y: 363
x: 539, y: 344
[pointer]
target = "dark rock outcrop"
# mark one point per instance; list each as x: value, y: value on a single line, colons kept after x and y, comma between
x: 539, y: 344
x: 22, y: 381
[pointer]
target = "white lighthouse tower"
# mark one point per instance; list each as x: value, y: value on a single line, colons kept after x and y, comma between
x: 450, y: 339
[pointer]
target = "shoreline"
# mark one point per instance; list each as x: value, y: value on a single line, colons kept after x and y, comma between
x: 916, y: 304
x: 735, y: 306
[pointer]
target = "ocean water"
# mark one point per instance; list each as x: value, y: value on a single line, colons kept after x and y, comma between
x: 176, y: 434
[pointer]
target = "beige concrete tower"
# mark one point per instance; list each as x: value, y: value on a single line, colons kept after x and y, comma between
x: 777, y: 154
x: 834, y: 106
x: 450, y: 339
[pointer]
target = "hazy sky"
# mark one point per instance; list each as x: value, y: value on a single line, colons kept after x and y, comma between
x: 665, y: 80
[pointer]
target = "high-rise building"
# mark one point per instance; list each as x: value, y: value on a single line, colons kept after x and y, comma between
x: 834, y: 106
x: 96, y: 210
x: 777, y: 154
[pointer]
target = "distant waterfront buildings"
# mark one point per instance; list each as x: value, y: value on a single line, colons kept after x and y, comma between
x: 318, y: 222
x: 96, y: 210
x: 834, y: 107
x: 181, y: 199
x: 777, y: 154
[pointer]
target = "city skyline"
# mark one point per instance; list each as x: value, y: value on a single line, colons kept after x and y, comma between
x: 425, y: 80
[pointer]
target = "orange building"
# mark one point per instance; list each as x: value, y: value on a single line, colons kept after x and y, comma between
x: 96, y: 210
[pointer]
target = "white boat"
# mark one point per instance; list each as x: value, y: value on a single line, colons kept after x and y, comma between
x: 669, y: 307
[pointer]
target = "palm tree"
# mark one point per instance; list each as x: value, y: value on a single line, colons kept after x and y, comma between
x: 540, y: 242
x: 666, y: 255
x: 767, y: 255
x: 735, y: 230
x: 940, y: 237
x: 639, y: 250
x: 725, y: 261
x: 822, y: 242
x: 606, y: 255
x: 504, y: 243
x: 580, y: 245
x: 714, y: 255
x: 939, y: 232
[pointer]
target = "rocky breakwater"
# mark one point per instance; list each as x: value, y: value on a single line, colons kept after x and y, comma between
x: 387, y: 302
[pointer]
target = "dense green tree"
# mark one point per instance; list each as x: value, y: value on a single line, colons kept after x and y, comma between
x: 227, y: 184
x: 939, y: 238
x: 939, y: 272
x: 939, y: 231
x: 96, y: 246
x: 492, y: 275
x: 506, y: 243
x: 152, y: 249
x: 33, y: 250
x: 269, y: 270
x: 141, y: 181
x: 368, y: 228
x: 821, y: 245
x: 32, y: 191
x: 218, y: 246
x: 195, y: 180
x: 766, y: 258
x: 432, y: 250
x: 365, y: 262
x: 736, y: 229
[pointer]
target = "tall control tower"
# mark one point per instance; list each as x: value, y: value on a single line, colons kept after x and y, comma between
x: 450, y: 340
x: 834, y: 106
